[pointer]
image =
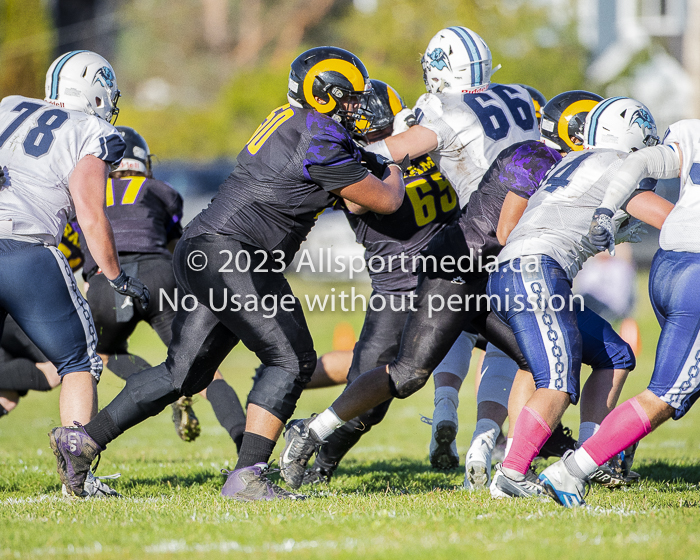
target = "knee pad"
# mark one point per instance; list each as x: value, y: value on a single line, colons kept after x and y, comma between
x: 457, y: 360
x: 497, y: 375
x: 278, y: 389
x: 404, y: 381
x: 307, y: 365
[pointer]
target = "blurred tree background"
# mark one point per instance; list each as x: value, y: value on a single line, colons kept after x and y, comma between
x: 198, y: 76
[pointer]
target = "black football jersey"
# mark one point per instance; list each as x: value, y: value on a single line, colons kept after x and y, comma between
x: 391, y: 241
x: 146, y: 214
x: 282, y: 181
x: 70, y: 245
x: 518, y: 169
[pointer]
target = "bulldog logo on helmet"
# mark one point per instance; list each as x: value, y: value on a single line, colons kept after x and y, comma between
x: 438, y: 59
x: 105, y: 76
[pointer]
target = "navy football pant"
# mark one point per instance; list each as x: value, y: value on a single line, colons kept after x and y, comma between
x: 38, y: 290
x: 554, y: 331
x: 675, y: 296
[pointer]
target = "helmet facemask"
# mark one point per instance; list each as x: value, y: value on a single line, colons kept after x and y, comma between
x: 351, y: 106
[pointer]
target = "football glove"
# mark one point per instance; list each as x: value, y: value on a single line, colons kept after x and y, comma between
x: 404, y: 164
x: 2, y: 177
x: 602, y: 231
x: 630, y: 231
x: 132, y: 287
x: 374, y: 163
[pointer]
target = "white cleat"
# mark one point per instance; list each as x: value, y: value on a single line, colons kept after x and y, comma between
x: 443, y: 447
x: 478, y: 465
x: 563, y: 487
x: 514, y: 485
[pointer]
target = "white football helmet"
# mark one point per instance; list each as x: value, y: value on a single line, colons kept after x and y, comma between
x: 619, y: 123
x: 456, y: 60
x: 83, y: 81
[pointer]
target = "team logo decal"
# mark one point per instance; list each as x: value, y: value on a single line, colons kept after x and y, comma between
x: 642, y: 118
x: 105, y: 76
x: 439, y: 59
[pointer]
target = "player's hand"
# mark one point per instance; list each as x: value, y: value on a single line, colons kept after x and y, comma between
x: 404, y: 164
x: 630, y: 231
x: 2, y: 177
x: 374, y: 163
x: 132, y: 287
x: 602, y: 231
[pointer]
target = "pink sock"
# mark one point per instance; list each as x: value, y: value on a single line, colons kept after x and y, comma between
x: 531, y: 433
x: 621, y: 428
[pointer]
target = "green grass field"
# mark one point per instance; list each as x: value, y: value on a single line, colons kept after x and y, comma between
x: 385, y: 501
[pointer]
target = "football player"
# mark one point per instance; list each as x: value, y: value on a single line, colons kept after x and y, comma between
x: 563, y: 122
x: 464, y: 122
x: 492, y: 398
x: 230, y: 264
x: 146, y: 217
x: 429, y: 205
x: 533, y: 285
x: 674, y: 385
x: 56, y: 155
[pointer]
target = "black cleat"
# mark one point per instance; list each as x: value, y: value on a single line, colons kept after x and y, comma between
x: 318, y: 474
x: 558, y: 443
x: 186, y: 422
x: 301, y: 444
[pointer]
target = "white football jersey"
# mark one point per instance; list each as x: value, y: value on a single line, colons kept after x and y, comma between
x: 40, y: 145
x: 473, y: 128
x: 681, y: 230
x: 558, y: 216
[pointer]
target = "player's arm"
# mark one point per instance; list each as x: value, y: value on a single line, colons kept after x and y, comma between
x: 658, y: 162
x: 355, y: 208
x: 87, y: 186
x: 511, y: 212
x: 415, y: 142
x: 650, y: 208
x: 374, y: 194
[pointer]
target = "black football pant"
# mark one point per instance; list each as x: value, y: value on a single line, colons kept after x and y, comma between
x: 428, y: 335
x: 18, y: 359
x: 117, y: 316
x: 209, y: 323
x: 377, y: 346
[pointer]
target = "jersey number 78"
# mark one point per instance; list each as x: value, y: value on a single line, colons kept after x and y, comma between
x: 39, y: 138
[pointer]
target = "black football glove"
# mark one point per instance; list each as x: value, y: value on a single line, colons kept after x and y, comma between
x: 2, y: 177
x: 602, y: 230
x: 132, y: 287
x: 404, y: 164
x: 374, y: 163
